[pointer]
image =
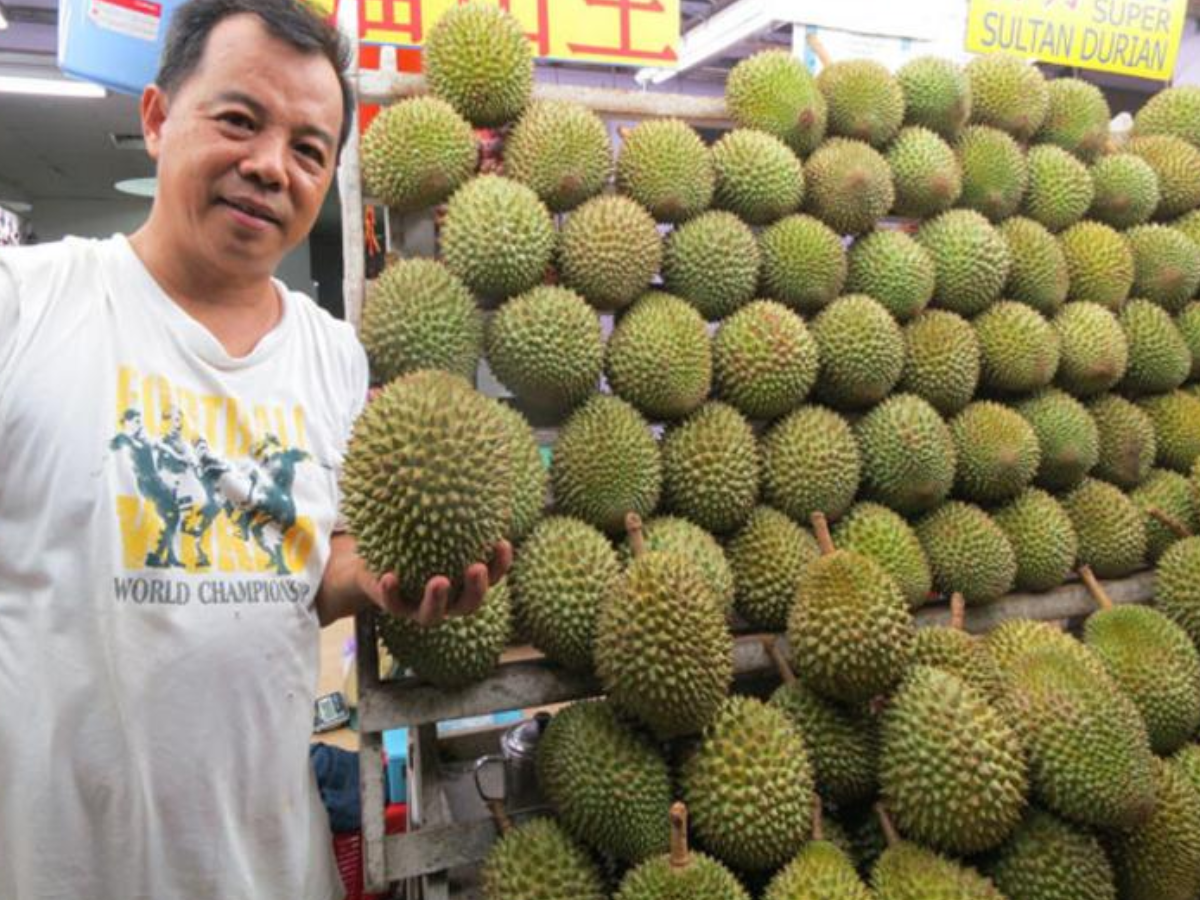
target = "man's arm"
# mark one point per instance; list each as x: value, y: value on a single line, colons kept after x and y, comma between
x: 8, y: 313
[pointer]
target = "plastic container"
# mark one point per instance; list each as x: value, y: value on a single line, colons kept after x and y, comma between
x: 115, y: 43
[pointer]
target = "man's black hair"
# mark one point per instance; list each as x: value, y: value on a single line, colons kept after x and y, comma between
x: 291, y: 21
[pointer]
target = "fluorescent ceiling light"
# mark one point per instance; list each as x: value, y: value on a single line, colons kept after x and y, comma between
x: 17, y: 206
x: 139, y: 187
x: 3, y: 17
x: 49, y: 87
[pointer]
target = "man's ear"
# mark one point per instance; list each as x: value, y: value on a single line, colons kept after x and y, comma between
x: 154, y: 114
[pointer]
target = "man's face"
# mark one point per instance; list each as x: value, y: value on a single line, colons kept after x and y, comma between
x: 246, y: 148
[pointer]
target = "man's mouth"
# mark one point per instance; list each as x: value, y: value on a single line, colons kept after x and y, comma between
x: 254, y: 210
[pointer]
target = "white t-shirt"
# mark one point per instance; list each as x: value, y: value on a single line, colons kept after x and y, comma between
x: 165, y: 513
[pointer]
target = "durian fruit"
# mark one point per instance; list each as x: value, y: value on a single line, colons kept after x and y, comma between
x: 606, y: 464
x: 561, y: 150
x: 497, y: 237
x: 878, y: 532
x: 997, y: 452
x: 1100, y: 263
x: 1112, y: 537
x: 419, y: 316
x: 970, y: 258
x: 416, y: 153
x: 559, y: 579
x: 608, y: 250
x: 1008, y: 93
x: 712, y: 262
x: 1166, y: 265
x: 864, y: 100
x: 951, y: 771
x: 659, y: 357
x: 758, y: 177
x: 1187, y: 761
x: 1019, y: 349
x: 951, y: 649
x: 457, y: 651
x: 941, y: 360
x: 1095, y: 351
x: 1175, y: 162
x: 1177, y: 586
x: 1165, y: 496
x: 774, y: 92
x: 530, y: 479
x: 537, y: 861
x: 968, y: 552
x: 925, y: 173
x: 1067, y: 436
x: 711, y: 468
x: 842, y: 594
x: 1189, y: 224
x: 907, y: 871
x: 1060, y: 189
x: 811, y: 462
x: 749, y: 786
x: 1042, y: 537
x: 861, y: 349
x: 908, y: 454
x: 1039, y: 276
x: 1077, y: 119
x: 1159, y: 359
x: 547, y: 347
x: 1048, y: 859
x: 820, y: 871
x: 765, y: 362
x: 994, y: 172
x: 1126, y: 190
x: 1174, y: 110
x: 692, y: 543
x: 665, y: 166
x: 1188, y: 322
x: 768, y: 558
x: 478, y: 59
x: 426, y: 482
x: 1128, y: 445
x: 848, y: 185
x: 608, y: 782
x: 1176, y: 420
x: 937, y: 95
x: 894, y: 269
x: 1014, y: 639
x: 803, y: 263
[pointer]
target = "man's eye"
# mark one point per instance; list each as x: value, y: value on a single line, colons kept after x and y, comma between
x: 312, y: 152
x: 237, y: 120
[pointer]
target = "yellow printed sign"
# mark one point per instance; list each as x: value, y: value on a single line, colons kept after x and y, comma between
x: 625, y: 32
x: 1132, y: 37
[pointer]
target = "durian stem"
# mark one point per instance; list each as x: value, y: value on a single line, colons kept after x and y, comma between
x: 958, y: 612
x: 885, y: 822
x: 1095, y: 588
x: 680, y: 857
x: 637, y: 541
x: 818, y: 826
x: 820, y: 526
x: 776, y: 656
x: 818, y: 48
x: 499, y: 815
x: 1171, y: 522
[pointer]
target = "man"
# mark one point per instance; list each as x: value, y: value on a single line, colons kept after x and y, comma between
x: 159, y: 618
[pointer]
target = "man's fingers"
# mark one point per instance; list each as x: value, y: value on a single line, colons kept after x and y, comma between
x: 475, y: 587
x: 501, y: 561
x: 433, y: 605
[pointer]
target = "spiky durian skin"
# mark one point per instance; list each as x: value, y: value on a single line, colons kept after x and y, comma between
x: 1189, y: 224
x: 1060, y: 189
x: 1166, y: 265
x: 848, y: 185
x: 559, y: 579
x: 665, y: 167
x: 968, y: 552
x: 711, y: 468
x: 606, y: 464
x: 861, y: 349
x: 659, y: 357
x: 910, y: 872
x: 1157, y: 667
x: 961, y: 654
x: 416, y: 153
x: 768, y: 558
x: 1100, y: 263
x: 1188, y: 322
x: 1077, y: 119
x: 1019, y: 349
x: 848, y: 593
x: 864, y: 100
x: 1014, y: 639
x: 537, y: 861
x: 749, y: 786
x: 561, y: 150
x: 1048, y: 859
x: 894, y: 269
x: 803, y: 263
x: 498, y: 236
x: 459, y: 650
x: 1176, y: 420
x: 821, y: 870
x: 1128, y: 445
x: 419, y: 316
x: 994, y: 172
x: 937, y: 95
x: 1177, y: 585
x: 841, y: 743
x: 703, y: 878
x: 878, y: 532
x: 1126, y: 190
x: 925, y: 173
x: 1112, y: 537
x: 997, y: 451
x: 1040, y: 276
x: 942, y: 361
x: 530, y: 479
x: 712, y: 262
x: 811, y: 463
x: 1175, y: 162
x: 1170, y: 493
x: 1187, y: 760
x: 695, y: 545
x: 1095, y: 351
x: 970, y: 258
x: 1042, y: 537
x: 1173, y: 110
x: 908, y: 454
x: 1067, y: 436
x: 608, y: 250
x: 758, y: 177
x: 1008, y: 93
x: 1159, y: 359
x: 765, y: 362
x: 426, y: 483
x: 774, y: 92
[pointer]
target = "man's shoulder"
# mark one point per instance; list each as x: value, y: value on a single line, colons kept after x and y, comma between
x: 319, y: 320
x: 32, y: 264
